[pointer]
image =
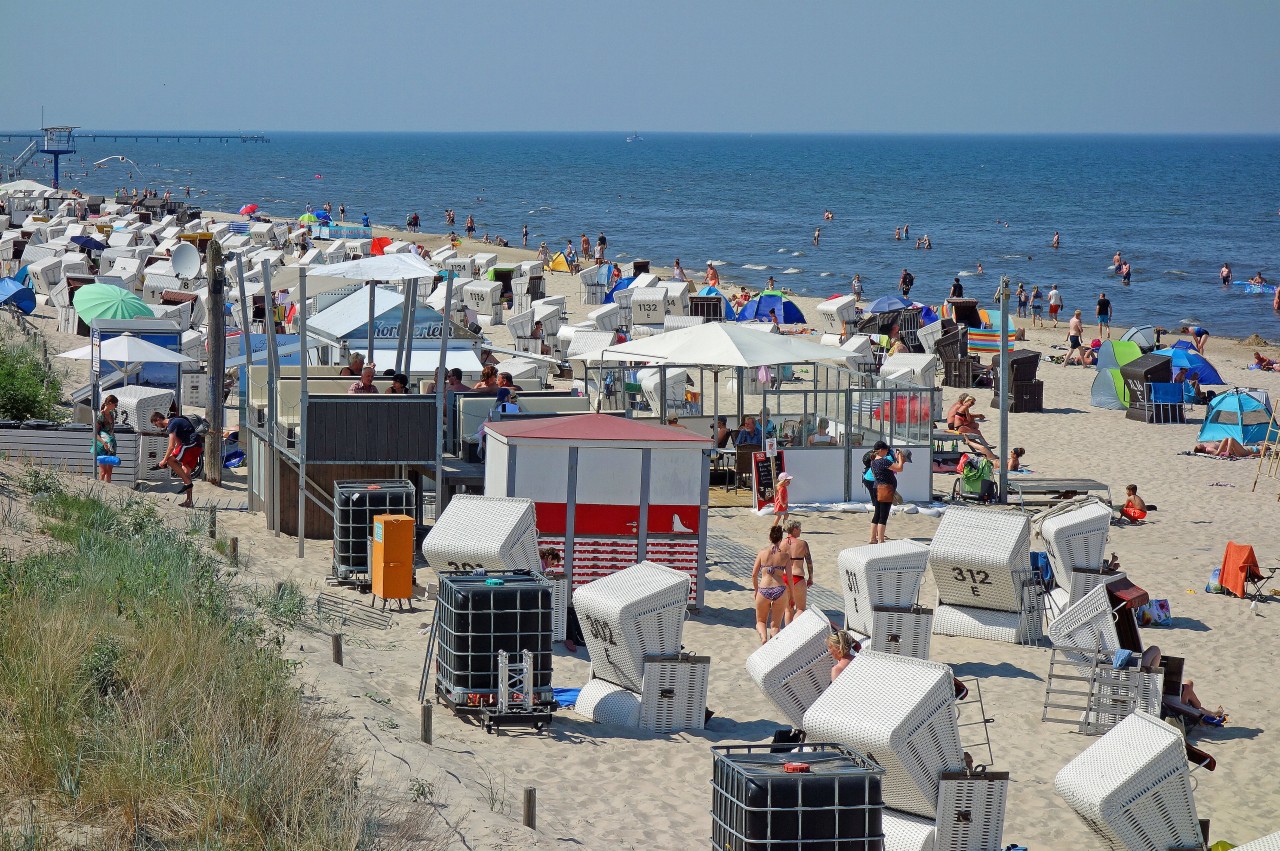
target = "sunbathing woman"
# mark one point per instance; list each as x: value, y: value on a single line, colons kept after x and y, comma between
x: 1265, y: 363
x: 768, y: 580
x: 960, y: 418
x: 1228, y: 447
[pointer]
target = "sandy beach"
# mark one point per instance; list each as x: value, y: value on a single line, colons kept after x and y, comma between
x: 601, y: 787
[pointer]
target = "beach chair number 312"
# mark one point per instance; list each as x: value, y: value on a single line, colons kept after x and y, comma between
x: 976, y: 577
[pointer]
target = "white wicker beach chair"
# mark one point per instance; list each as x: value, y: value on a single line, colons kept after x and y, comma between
x: 900, y: 712
x: 631, y: 614
x: 1083, y: 581
x: 901, y: 630
x: 904, y: 832
x: 1077, y: 538
x: 559, y: 606
x: 606, y: 703
x: 493, y: 533
x: 887, y: 574
x: 971, y: 810
x: 1089, y: 624
x: 975, y: 554
x: 674, y: 696
x: 1132, y: 787
x: 1270, y: 842
x: 793, y: 668
x: 1023, y: 627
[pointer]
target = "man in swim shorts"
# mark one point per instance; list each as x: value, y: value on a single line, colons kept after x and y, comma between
x: 1225, y: 274
x: 1104, y: 314
x: 1055, y: 304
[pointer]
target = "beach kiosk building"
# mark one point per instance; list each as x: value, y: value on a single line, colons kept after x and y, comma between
x: 611, y: 492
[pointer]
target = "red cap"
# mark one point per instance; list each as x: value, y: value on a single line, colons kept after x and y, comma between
x: 796, y: 768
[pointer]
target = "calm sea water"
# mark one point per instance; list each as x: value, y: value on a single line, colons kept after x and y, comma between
x: 1177, y: 208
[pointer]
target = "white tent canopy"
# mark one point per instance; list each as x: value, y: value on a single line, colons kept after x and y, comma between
x: 128, y: 349
x: 717, y: 344
x: 24, y: 186
x: 387, y: 267
x: 341, y: 318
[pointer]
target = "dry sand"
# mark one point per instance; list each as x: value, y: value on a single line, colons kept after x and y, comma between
x: 601, y: 787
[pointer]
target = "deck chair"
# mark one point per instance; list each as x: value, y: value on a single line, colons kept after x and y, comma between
x: 742, y: 462
x: 1241, y: 576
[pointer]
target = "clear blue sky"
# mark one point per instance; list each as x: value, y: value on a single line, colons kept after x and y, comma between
x: 876, y: 66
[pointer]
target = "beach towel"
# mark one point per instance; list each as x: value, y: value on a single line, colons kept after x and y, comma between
x: 1239, y: 563
x: 566, y: 697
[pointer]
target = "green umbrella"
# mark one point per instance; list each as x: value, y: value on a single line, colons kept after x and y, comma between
x: 106, y: 301
x: 308, y: 218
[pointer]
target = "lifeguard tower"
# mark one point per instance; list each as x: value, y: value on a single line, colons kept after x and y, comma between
x: 58, y: 142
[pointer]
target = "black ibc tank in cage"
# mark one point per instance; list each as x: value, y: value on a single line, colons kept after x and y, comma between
x: 479, y: 614
x: 827, y: 798
x: 355, y: 504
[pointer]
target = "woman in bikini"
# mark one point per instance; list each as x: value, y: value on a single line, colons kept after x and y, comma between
x: 768, y: 579
x: 800, y: 576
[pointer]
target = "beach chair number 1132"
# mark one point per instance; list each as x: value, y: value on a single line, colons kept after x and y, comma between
x: 976, y: 577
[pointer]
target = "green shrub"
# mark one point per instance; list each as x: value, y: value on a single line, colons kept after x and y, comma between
x: 28, y: 390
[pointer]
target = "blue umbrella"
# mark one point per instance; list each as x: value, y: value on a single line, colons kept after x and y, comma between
x: 888, y: 304
x: 323, y: 216
x: 1193, y: 362
x: 88, y: 243
x: 14, y: 293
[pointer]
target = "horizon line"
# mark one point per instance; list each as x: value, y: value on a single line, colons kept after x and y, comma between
x: 777, y: 133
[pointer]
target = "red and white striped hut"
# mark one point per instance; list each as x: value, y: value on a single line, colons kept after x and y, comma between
x: 611, y: 492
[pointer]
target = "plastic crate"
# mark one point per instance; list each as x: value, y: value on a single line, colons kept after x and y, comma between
x: 479, y: 614
x: 355, y: 503
x: 825, y: 797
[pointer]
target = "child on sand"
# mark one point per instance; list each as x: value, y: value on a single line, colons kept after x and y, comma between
x: 1135, y: 508
x: 780, y: 499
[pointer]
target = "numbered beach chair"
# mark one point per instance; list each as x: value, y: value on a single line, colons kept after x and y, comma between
x: 887, y: 574
x: 970, y: 816
x: 1076, y: 537
x: 493, y: 533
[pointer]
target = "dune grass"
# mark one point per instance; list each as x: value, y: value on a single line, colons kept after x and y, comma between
x: 141, y: 701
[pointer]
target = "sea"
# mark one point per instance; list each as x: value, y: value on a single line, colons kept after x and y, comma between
x: 1177, y: 208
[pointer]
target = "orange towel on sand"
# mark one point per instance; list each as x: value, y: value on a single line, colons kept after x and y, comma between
x: 1238, y: 564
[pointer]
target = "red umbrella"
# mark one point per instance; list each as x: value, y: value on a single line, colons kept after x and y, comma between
x: 379, y: 244
x: 248, y: 209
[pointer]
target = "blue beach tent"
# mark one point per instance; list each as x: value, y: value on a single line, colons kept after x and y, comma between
x: 757, y: 310
x: 1242, y: 414
x: 1186, y: 357
x: 14, y: 293
x: 729, y: 314
x: 622, y: 284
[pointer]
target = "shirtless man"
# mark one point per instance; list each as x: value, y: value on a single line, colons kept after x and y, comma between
x: 801, y: 563
x: 1116, y: 263
x: 1224, y: 274
x: 1054, y: 244
x: 712, y: 278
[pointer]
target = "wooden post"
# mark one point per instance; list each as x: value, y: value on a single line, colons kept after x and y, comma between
x: 213, y: 523
x: 531, y: 808
x: 233, y: 548
x: 215, y: 412
x: 335, y: 641
x: 425, y: 722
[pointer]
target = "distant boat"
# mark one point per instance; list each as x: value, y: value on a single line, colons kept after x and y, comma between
x: 635, y: 137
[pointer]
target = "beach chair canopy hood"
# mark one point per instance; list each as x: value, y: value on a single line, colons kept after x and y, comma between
x: 1238, y: 414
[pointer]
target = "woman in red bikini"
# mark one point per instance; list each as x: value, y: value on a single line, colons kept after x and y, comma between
x: 768, y: 580
x: 797, y: 578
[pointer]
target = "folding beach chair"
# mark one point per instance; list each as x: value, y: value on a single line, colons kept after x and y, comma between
x: 1241, y: 576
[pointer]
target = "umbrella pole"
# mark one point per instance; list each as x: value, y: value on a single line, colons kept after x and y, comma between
x: 1003, y: 341
x: 372, y: 287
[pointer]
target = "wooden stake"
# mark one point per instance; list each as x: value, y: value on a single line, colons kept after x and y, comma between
x: 336, y: 641
x: 425, y: 723
x: 217, y: 336
x: 531, y: 808
x: 233, y: 548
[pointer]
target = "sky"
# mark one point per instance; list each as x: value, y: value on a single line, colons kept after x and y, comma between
x: 840, y: 66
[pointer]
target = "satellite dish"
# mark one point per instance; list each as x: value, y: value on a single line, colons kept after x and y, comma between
x: 186, y: 260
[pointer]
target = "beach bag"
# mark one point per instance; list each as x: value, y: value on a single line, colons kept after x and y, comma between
x: 1214, y: 586
x: 1155, y: 613
x: 885, y: 493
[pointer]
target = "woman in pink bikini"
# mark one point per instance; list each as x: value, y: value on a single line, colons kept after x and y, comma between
x: 768, y: 579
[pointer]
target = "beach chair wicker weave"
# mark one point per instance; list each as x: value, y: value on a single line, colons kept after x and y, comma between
x: 903, y: 832
x: 493, y: 533
x: 794, y: 667
x: 971, y: 811
x: 631, y: 614
x: 674, y: 697
x: 901, y: 630
x: 887, y: 574
x: 974, y: 556
x: 900, y: 712
x: 1083, y: 581
x: 1077, y: 539
x: 1023, y: 627
x: 1132, y: 787
x: 1087, y: 624
x: 606, y: 703
x: 1270, y: 842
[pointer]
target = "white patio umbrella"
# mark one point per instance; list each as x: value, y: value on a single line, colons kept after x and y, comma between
x: 127, y: 353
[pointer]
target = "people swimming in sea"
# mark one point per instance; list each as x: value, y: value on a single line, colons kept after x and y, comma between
x: 979, y: 267
x: 1258, y: 279
x: 897, y: 234
x: 1055, y: 242
x: 1116, y: 263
